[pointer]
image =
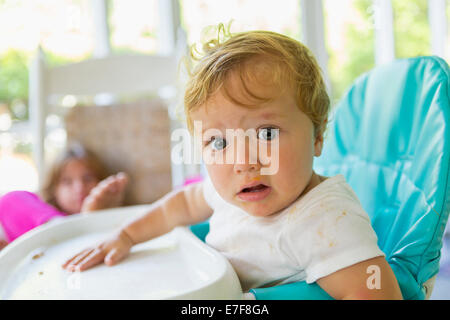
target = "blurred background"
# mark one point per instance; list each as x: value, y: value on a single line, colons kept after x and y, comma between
x: 349, y: 37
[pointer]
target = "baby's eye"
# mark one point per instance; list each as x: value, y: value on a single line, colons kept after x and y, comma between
x: 218, y: 143
x: 268, y: 134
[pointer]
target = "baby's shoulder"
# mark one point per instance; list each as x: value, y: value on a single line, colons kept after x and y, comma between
x: 337, y: 203
x: 331, y: 193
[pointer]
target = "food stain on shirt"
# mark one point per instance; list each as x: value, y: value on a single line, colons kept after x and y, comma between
x: 320, y: 232
x: 325, y: 239
x: 343, y: 214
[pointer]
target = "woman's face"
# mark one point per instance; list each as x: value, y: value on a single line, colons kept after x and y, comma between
x: 74, y: 184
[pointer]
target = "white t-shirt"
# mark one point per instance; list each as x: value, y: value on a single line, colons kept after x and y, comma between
x: 323, y: 231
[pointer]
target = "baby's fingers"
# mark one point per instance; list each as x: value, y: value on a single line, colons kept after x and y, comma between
x: 74, y: 265
x: 115, y: 256
x: 94, y: 258
x: 74, y: 258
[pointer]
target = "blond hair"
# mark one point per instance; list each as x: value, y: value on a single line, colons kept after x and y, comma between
x: 74, y: 151
x: 289, y: 61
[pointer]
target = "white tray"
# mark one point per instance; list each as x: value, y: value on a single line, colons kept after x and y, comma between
x: 174, y: 266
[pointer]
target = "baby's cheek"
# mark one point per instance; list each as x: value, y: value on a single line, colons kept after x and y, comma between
x: 297, y: 153
x: 289, y: 159
x: 294, y: 168
x: 221, y: 175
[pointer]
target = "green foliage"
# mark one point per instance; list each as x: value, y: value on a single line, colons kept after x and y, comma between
x: 23, y: 147
x: 359, y: 57
x: 412, y: 38
x: 14, y: 66
x: 411, y: 28
x: 13, y: 78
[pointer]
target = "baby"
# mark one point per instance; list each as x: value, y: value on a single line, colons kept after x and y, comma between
x: 289, y: 225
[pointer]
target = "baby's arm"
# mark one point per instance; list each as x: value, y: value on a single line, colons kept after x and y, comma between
x: 180, y: 207
x: 370, y: 279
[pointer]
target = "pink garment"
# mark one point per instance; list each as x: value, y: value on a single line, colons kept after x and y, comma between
x: 193, y: 179
x: 21, y: 211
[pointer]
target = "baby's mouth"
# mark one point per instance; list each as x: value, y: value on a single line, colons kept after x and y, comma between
x: 256, y: 188
x: 254, y: 193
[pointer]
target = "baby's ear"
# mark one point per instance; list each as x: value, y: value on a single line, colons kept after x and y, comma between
x: 318, y: 144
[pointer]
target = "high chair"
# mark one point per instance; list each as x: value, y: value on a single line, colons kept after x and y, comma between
x: 115, y: 75
x: 130, y: 137
x: 390, y: 137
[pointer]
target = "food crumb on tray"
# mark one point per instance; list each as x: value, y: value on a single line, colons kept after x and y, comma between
x: 37, y: 255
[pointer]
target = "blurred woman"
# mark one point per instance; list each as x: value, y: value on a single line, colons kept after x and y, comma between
x: 77, y: 182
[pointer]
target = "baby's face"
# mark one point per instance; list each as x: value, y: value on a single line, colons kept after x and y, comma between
x: 278, y: 123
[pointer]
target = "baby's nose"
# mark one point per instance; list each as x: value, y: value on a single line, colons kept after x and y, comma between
x: 246, y: 159
x: 247, y: 166
x: 242, y: 168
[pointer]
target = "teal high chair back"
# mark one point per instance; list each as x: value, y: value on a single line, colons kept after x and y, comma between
x: 390, y: 137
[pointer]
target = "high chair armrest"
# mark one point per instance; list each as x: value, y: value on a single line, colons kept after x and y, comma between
x: 292, y: 291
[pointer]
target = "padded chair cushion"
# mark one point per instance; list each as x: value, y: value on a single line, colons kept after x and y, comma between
x: 390, y: 137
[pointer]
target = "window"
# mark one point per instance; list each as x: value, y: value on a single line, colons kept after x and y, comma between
x: 133, y: 26
x: 279, y: 16
x: 411, y: 28
x: 349, y: 35
x: 64, y: 30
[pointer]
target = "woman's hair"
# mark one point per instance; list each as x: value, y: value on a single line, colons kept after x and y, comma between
x: 285, y: 61
x: 75, y: 151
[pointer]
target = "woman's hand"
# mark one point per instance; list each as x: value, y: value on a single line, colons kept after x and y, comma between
x: 110, y: 252
x: 109, y: 193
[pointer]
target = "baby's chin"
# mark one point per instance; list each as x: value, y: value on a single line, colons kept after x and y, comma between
x: 268, y: 207
x: 260, y: 209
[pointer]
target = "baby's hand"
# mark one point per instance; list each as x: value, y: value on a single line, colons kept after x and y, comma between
x: 111, y: 252
x: 109, y: 193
